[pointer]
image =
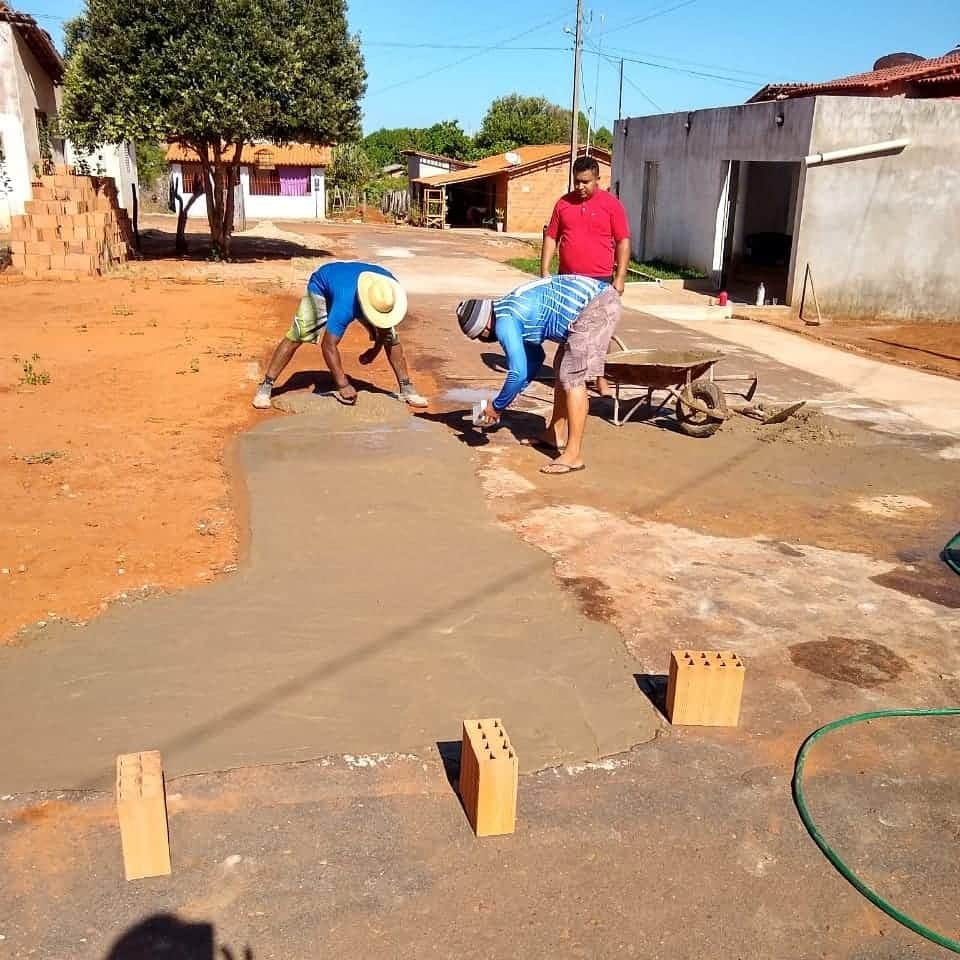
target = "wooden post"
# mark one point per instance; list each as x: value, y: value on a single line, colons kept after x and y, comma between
x: 488, y: 777
x: 142, y: 811
x: 704, y: 688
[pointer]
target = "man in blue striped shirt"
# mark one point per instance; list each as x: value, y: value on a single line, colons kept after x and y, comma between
x: 579, y: 314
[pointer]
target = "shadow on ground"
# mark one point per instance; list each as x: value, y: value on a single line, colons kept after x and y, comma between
x: 161, y: 245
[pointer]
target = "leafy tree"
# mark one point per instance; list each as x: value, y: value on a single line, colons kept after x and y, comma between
x: 445, y: 138
x: 151, y: 162
x: 516, y: 120
x: 351, y: 167
x: 212, y: 75
x: 383, y: 146
x: 602, y: 138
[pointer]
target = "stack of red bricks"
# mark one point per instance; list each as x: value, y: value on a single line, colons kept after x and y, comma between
x: 73, y: 227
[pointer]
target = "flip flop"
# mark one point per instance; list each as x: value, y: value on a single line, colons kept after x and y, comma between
x: 539, y: 444
x: 561, y: 469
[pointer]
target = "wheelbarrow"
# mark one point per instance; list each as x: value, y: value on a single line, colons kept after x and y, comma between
x: 699, y: 403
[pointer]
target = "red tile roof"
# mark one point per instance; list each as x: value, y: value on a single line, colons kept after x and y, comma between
x: 287, y: 155
x: 529, y: 156
x: 889, y: 81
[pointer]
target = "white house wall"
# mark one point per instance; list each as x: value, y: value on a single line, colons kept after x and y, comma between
x: 15, y: 177
x: 25, y: 88
x: 115, y: 160
x: 692, y: 169
x: 310, y: 207
x: 882, y: 234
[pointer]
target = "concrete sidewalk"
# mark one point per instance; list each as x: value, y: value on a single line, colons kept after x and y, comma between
x: 932, y: 401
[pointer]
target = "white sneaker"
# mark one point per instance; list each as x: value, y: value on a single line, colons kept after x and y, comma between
x: 261, y: 399
x: 413, y: 398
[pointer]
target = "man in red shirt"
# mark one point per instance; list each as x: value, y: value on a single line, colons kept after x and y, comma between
x: 590, y: 227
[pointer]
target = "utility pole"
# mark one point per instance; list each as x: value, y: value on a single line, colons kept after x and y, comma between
x: 620, y: 101
x: 575, y: 118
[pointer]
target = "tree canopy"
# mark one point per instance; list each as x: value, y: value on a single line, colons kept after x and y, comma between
x: 445, y: 138
x: 516, y: 120
x: 212, y: 75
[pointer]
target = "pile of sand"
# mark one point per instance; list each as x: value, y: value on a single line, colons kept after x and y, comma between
x: 805, y: 426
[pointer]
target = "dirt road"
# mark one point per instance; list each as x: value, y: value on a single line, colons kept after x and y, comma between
x: 811, y: 550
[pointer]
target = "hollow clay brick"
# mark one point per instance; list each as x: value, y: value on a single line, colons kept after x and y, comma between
x: 142, y: 812
x: 488, y: 777
x: 704, y: 688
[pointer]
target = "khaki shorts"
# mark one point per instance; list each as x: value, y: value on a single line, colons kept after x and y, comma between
x: 310, y: 321
x: 585, y: 351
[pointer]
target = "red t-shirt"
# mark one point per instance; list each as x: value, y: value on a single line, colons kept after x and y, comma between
x: 587, y: 232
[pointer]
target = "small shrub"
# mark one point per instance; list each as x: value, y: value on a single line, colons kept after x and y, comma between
x: 32, y: 374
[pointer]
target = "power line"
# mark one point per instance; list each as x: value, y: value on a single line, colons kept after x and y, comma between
x: 643, y: 18
x: 470, y: 56
x: 611, y: 61
x: 458, y: 46
x: 689, y: 63
x: 693, y: 73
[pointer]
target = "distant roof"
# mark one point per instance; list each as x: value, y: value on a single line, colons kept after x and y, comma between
x: 37, y: 39
x: 459, y: 164
x: 528, y: 156
x: 893, y: 81
x: 288, y: 154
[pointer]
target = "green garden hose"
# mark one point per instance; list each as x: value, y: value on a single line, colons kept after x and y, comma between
x: 951, y: 554
x: 829, y: 852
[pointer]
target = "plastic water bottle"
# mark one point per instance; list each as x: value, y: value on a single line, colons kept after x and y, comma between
x: 478, y: 408
x: 761, y: 295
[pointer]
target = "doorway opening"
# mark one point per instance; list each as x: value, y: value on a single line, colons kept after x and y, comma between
x: 758, y: 232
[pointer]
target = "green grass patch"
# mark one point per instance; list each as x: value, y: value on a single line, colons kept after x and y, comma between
x: 661, y: 270
x: 651, y: 269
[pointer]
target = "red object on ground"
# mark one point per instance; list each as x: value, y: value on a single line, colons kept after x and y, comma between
x: 722, y: 299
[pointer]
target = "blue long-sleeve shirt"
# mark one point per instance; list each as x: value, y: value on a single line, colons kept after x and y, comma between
x: 538, y: 311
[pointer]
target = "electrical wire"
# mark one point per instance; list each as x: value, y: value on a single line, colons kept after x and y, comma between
x: 470, y: 56
x: 831, y: 854
x: 622, y: 51
x: 613, y: 62
x: 693, y: 73
x: 644, y: 18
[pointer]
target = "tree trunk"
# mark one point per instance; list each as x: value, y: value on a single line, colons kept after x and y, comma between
x: 219, y: 176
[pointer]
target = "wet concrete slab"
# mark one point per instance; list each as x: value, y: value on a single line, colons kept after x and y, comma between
x: 380, y: 603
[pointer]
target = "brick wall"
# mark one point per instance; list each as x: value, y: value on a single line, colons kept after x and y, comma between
x: 72, y: 227
x: 531, y: 195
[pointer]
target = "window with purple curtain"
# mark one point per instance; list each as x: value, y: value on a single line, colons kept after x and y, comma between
x: 294, y: 181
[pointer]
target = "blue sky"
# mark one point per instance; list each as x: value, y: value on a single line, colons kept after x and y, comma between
x: 728, y: 48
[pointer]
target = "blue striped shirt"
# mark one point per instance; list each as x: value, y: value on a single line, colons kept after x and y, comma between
x: 537, y: 311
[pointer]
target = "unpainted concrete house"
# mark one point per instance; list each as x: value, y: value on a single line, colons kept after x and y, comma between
x: 851, y: 186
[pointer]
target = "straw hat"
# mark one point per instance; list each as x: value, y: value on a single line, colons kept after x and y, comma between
x: 383, y: 300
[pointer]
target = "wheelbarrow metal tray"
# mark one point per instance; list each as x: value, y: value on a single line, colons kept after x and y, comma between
x: 658, y: 369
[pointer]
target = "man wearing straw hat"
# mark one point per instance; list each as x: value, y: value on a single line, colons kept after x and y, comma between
x: 337, y: 294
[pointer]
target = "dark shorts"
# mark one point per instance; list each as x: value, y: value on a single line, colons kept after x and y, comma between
x: 585, y: 351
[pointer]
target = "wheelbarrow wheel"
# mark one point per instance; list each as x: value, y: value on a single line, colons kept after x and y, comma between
x: 695, y: 423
